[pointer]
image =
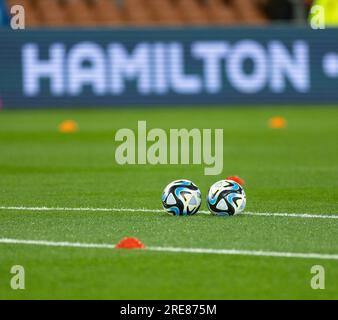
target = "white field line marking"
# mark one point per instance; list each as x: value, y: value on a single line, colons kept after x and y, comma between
x: 79, y: 209
x: 259, y: 214
x: 257, y: 253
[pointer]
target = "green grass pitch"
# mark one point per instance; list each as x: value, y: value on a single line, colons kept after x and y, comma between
x: 291, y: 170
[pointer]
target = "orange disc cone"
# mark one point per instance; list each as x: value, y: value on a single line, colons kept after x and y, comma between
x: 277, y: 123
x: 236, y: 179
x: 130, y: 243
x: 68, y: 126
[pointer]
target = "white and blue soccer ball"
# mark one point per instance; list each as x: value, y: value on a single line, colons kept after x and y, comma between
x: 181, y: 198
x: 226, y: 198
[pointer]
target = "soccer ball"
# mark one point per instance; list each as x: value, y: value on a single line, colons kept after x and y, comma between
x: 181, y: 198
x: 226, y: 198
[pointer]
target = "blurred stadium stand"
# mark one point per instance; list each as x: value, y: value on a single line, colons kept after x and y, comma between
x: 65, y: 13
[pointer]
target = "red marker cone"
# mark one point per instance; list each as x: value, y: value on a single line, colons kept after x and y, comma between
x: 236, y: 179
x: 130, y: 243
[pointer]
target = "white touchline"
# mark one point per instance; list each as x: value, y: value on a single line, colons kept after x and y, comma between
x: 258, y: 214
x: 259, y: 253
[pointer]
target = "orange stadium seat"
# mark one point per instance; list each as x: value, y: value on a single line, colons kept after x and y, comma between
x: 137, y: 12
x: 107, y: 12
x: 56, y: 13
x: 193, y: 12
x: 79, y: 13
x: 249, y: 12
x: 165, y: 12
x: 51, y: 12
x: 220, y: 12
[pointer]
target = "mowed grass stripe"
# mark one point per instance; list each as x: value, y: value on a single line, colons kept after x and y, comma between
x: 258, y: 214
x: 258, y: 253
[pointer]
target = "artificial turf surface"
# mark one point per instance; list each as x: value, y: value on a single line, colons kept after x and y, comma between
x: 292, y: 170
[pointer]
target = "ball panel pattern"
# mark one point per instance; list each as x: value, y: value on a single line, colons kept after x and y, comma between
x: 181, y: 197
x: 226, y: 197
